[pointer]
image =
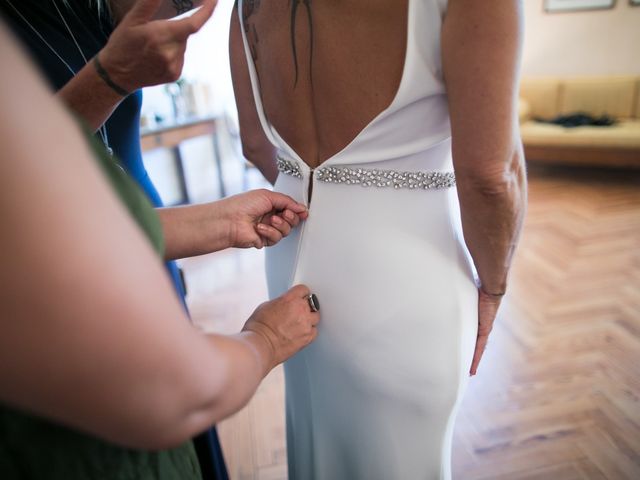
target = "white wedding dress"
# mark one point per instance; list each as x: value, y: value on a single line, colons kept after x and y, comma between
x: 375, y: 396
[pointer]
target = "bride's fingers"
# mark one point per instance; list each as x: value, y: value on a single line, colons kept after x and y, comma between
x: 481, y: 344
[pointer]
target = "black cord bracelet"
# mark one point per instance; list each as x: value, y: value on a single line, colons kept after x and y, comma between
x: 102, y: 73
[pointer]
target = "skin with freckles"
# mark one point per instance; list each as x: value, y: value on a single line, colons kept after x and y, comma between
x: 327, y: 68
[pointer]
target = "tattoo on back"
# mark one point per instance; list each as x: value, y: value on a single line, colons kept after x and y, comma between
x: 294, y: 11
x: 251, y: 7
x: 182, y: 6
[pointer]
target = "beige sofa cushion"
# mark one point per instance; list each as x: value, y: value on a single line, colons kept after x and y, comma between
x: 625, y: 134
x: 542, y: 96
x: 610, y: 95
x: 524, y: 110
x: 636, y: 113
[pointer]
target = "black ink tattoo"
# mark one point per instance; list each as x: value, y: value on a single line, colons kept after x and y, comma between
x: 182, y: 6
x: 250, y: 7
x: 294, y: 10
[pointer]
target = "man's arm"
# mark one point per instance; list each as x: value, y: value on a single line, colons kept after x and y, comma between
x: 256, y: 147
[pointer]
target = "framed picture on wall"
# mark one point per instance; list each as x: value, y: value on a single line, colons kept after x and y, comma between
x: 553, y: 6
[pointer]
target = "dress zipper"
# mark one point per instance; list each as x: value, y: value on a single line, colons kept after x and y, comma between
x: 303, y: 228
x: 310, y: 187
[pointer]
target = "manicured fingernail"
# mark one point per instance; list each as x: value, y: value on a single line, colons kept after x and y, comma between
x: 262, y: 226
x: 288, y: 215
x: 276, y: 220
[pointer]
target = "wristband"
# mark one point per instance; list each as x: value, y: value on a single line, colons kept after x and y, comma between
x: 102, y: 73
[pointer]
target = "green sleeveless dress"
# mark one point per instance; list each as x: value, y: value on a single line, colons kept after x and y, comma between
x: 32, y: 448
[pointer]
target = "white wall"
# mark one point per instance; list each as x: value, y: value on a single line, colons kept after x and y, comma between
x: 207, y: 61
x: 598, y: 42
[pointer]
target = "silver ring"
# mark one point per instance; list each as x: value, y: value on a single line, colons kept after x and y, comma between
x: 314, y: 304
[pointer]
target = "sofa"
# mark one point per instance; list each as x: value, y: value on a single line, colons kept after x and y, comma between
x: 610, y: 146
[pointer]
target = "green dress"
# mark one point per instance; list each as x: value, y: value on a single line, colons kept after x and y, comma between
x: 32, y: 448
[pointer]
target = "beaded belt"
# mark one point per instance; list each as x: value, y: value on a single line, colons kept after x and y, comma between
x: 373, y: 177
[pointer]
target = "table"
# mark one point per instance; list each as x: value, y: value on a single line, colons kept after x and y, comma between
x: 171, y: 135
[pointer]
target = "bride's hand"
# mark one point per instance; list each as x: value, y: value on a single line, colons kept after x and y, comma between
x: 487, y: 309
x: 262, y: 218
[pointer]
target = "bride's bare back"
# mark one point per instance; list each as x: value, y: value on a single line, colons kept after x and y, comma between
x: 325, y: 68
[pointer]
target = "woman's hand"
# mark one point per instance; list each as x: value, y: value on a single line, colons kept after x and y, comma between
x: 286, y: 324
x: 142, y: 52
x: 261, y: 217
x: 488, y: 305
x: 254, y: 219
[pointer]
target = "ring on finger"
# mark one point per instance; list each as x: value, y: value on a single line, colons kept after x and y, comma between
x: 314, y: 303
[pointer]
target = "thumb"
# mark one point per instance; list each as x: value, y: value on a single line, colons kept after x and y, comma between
x: 142, y: 11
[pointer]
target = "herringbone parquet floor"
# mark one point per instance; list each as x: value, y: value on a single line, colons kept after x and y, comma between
x: 558, y: 393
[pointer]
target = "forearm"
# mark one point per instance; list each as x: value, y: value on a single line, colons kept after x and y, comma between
x: 89, y: 97
x: 263, y: 156
x: 194, y: 230
x: 481, y: 44
x: 249, y: 359
x: 492, y: 210
x: 210, y: 388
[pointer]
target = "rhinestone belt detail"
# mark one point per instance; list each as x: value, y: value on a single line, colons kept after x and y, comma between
x: 373, y: 177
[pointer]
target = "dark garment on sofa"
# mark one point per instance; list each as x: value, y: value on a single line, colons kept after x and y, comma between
x: 579, y: 119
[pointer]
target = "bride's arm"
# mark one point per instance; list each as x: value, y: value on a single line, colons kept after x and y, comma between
x: 481, y: 44
x: 256, y: 147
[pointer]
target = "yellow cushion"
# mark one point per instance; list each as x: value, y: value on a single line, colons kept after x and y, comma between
x: 542, y: 96
x: 636, y: 114
x: 625, y: 134
x: 524, y: 110
x: 609, y: 95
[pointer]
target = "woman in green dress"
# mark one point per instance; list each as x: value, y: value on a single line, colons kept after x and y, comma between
x: 101, y: 376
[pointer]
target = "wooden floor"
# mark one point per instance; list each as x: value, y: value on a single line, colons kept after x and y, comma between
x: 558, y: 393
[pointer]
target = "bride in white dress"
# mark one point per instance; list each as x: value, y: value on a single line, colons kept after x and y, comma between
x: 348, y: 102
